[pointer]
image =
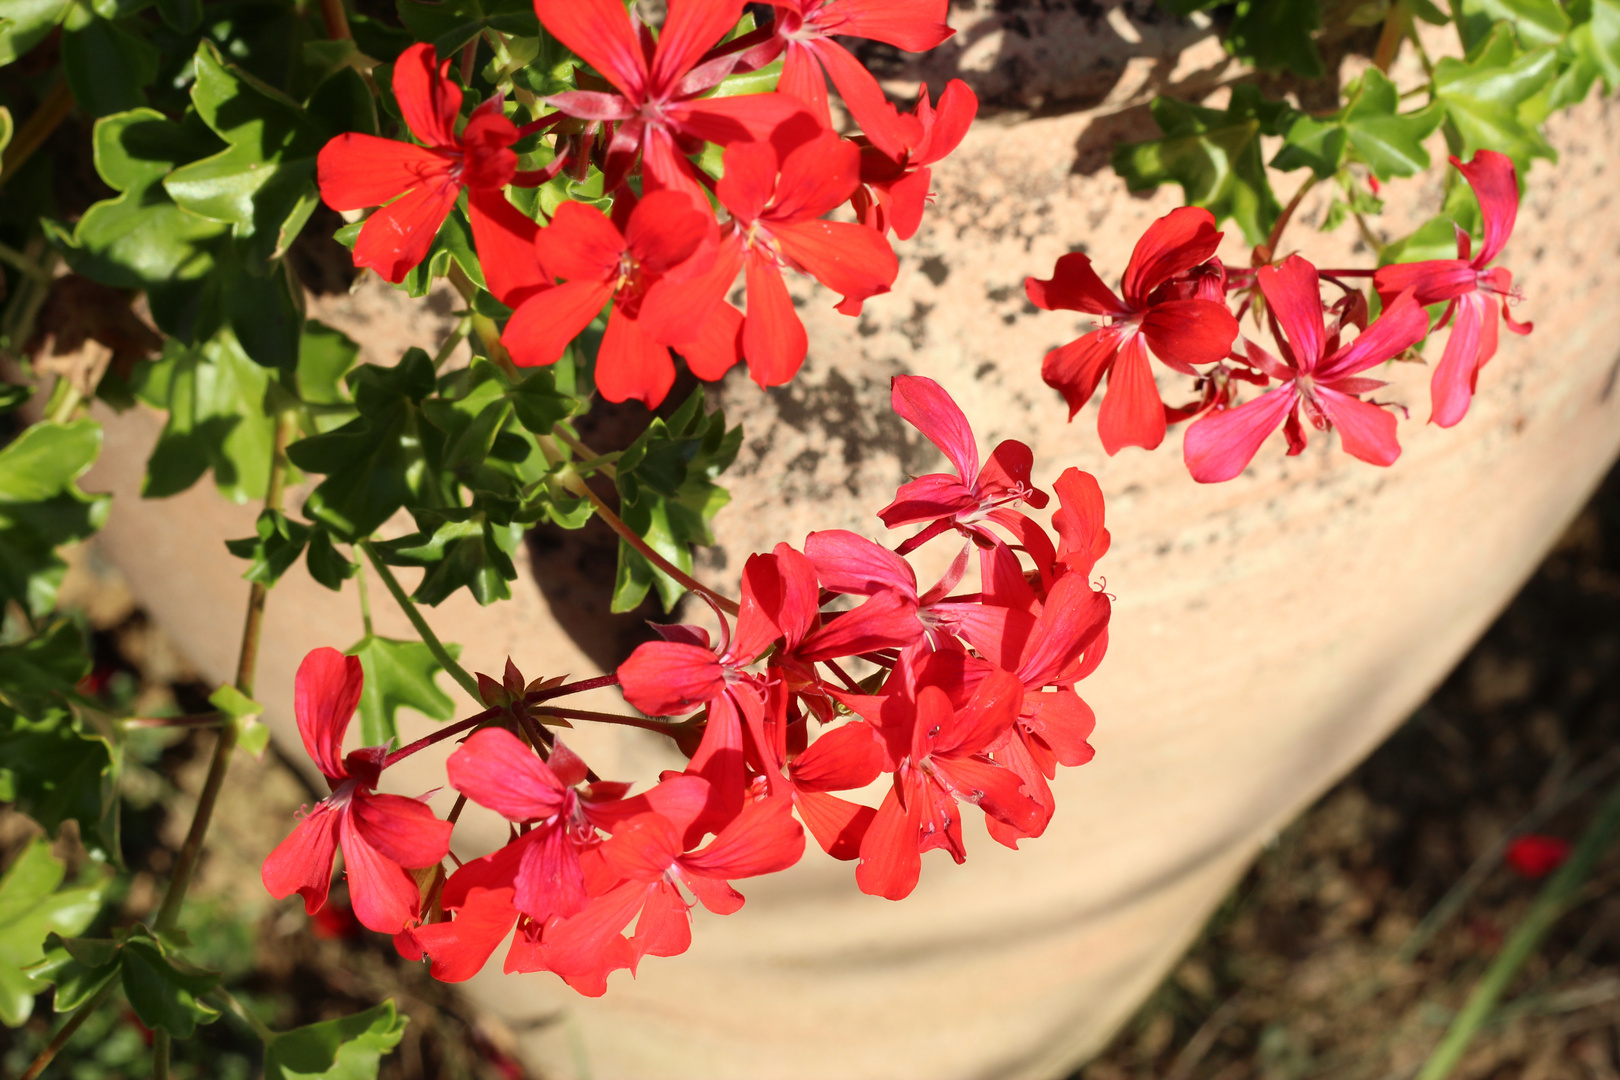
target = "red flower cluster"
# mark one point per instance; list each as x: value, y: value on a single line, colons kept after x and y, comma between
x: 660, y: 259
x: 1175, y: 307
x: 967, y: 698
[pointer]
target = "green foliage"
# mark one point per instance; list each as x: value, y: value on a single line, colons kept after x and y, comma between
x: 349, y: 1048
x: 459, y: 548
x: 276, y: 545
x: 1483, y: 97
x: 398, y: 674
x: 51, y: 767
x: 374, y: 464
x: 108, y: 61
x: 1369, y: 129
x: 164, y: 990
x: 214, y: 395
x: 668, y: 495
x: 252, y: 735
x: 1277, y: 34
x: 41, y: 508
x: 32, y: 905
x: 452, y: 24
x: 1214, y: 155
x: 25, y: 23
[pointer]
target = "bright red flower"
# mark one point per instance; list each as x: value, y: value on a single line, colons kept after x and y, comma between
x: 415, y: 186
x: 382, y: 836
x: 777, y: 193
x: 659, y: 111
x: 1317, y: 375
x: 1536, y: 856
x: 938, y: 754
x: 640, y: 259
x: 804, y: 29
x: 894, y: 188
x: 1474, y: 293
x: 1152, y: 315
x: 956, y: 502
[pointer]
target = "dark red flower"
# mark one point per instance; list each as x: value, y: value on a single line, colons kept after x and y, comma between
x: 1536, y: 856
x: 415, y: 186
x: 1181, y: 332
x: 1473, y: 291
x: 1317, y: 375
x: 382, y: 836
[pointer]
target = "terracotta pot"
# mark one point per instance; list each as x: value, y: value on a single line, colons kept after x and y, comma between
x: 1268, y: 632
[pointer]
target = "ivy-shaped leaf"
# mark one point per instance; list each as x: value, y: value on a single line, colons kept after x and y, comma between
x: 398, y: 675
x: 326, y: 564
x: 214, y: 396
x: 252, y: 734
x: 1214, y: 155
x: 374, y: 464
x: 325, y: 356
x: 263, y: 183
x: 459, y: 548
x: 1482, y: 97
x: 1274, y: 34
x: 348, y: 1048
x: 32, y: 905
x: 164, y: 990
x: 1370, y: 126
x: 451, y: 24
x: 276, y: 545
x: 107, y: 61
x: 42, y: 508
x: 77, y: 967
x: 25, y: 23
x: 1536, y: 22
x: 668, y: 495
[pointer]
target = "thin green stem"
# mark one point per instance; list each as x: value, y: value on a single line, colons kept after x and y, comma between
x: 590, y: 460
x: 1556, y: 897
x: 423, y: 630
x: 457, y: 336
x: 23, y: 263
x: 66, y: 1032
x: 242, y: 1013
x: 365, y: 597
x: 37, y: 128
x: 197, y: 720
x: 66, y: 397
x: 160, y: 1055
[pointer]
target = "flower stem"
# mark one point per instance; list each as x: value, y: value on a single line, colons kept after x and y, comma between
x: 1389, y: 39
x: 1556, y: 897
x: 336, y: 20
x: 608, y: 718
x: 1275, y: 236
x: 246, y: 666
x: 457, y: 335
x: 160, y: 1054
x: 198, y: 720
x: 365, y: 597
x: 596, y: 461
x: 423, y: 630
x: 37, y: 128
x: 440, y: 735
x: 565, y: 689
x: 66, y: 1032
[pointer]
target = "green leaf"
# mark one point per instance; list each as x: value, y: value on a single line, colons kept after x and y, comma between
x: 1370, y: 126
x: 458, y: 548
x: 276, y: 545
x: 77, y: 967
x: 32, y: 906
x: 263, y: 183
x: 165, y: 991
x: 349, y: 1048
x: 1536, y: 22
x: 214, y: 396
x: 1214, y: 155
x: 42, y: 508
x: 1596, y: 45
x: 325, y: 355
x: 51, y: 768
x: 668, y: 495
x: 183, y: 16
x: 453, y: 23
x: 252, y: 734
x: 107, y: 64
x: 326, y: 564
x: 453, y: 242
x: 1274, y: 34
x: 539, y: 405
x: 25, y: 23
x: 398, y: 675
x: 6, y: 128
x: 374, y: 464
x: 1482, y: 97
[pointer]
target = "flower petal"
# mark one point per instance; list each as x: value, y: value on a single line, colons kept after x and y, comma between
x: 599, y: 32
x: 891, y: 861
x: 543, y: 325
x: 850, y: 259
x: 1131, y: 414
x: 1188, y: 332
x: 302, y: 863
x: 925, y: 405
x: 356, y: 171
x: 495, y: 769
x: 666, y: 678
x: 427, y: 98
x: 404, y: 831
x: 842, y: 759
x: 1491, y: 176
x: 549, y: 880
x: 763, y: 839
x: 630, y: 363
x: 1452, y: 388
x: 838, y: 825
x: 690, y: 28
x: 1075, y: 369
x: 504, y: 237
x: 848, y: 563
x: 1074, y: 286
x: 1402, y: 325
x: 1221, y: 445
x: 326, y: 691
x: 1175, y: 243
x: 1294, y: 293
x: 774, y: 341
x: 581, y: 244
x: 1367, y: 431
x: 396, y: 238
x: 384, y: 896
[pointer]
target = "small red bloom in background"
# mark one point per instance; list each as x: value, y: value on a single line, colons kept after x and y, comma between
x: 1473, y: 291
x: 804, y: 30
x: 1151, y: 316
x: 1317, y: 375
x: 634, y: 258
x: 658, y: 110
x: 1535, y: 855
x: 335, y: 922
x: 894, y: 186
x: 382, y: 836
x: 415, y: 186
x: 777, y: 193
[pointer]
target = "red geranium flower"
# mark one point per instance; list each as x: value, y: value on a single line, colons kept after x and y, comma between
x: 636, y: 258
x: 1536, y: 856
x: 1181, y: 332
x: 1474, y: 293
x: 894, y: 186
x: 415, y: 186
x: 1317, y: 375
x: 382, y: 836
x: 659, y: 110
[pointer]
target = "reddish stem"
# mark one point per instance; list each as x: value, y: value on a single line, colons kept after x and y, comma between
x: 571, y: 688
x: 608, y: 718
x: 439, y: 736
